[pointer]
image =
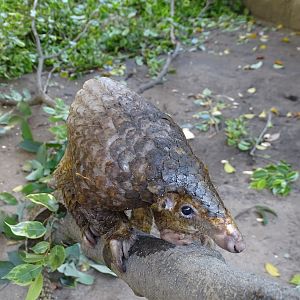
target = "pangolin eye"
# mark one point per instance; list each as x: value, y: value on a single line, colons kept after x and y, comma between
x: 186, y: 210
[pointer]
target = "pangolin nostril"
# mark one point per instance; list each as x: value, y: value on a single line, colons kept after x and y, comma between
x: 239, y: 247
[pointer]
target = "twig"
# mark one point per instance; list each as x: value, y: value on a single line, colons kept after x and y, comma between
x: 261, y: 136
x: 171, y: 56
x: 205, y: 8
x: 48, y: 79
x: 39, y: 49
x: 162, y: 73
x: 172, y: 13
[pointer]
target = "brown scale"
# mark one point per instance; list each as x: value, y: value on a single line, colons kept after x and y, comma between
x: 123, y: 154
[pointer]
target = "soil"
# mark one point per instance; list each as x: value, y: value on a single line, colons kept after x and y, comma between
x: 279, y: 241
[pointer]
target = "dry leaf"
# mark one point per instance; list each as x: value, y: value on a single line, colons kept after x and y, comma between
x: 248, y: 172
x: 272, y: 270
x: 228, y: 168
x: 274, y: 110
x: 249, y: 116
x: 18, y: 188
x: 188, y: 134
x: 279, y: 26
x: 265, y: 144
x: 252, y: 35
x: 278, y: 64
x: 264, y: 38
x: 253, y: 66
x: 271, y: 137
x: 226, y: 51
x: 251, y: 90
x: 263, y: 47
x: 285, y: 39
x: 260, y: 147
x: 262, y: 115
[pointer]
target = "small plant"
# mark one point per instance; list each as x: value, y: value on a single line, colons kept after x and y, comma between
x: 212, y: 116
x: 48, y: 154
x: 19, y: 116
x: 26, y: 267
x: 276, y: 178
x: 237, y: 134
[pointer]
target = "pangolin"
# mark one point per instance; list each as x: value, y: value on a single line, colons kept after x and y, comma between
x: 123, y: 154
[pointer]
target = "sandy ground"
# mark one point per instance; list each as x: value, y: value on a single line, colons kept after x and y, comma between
x: 279, y: 241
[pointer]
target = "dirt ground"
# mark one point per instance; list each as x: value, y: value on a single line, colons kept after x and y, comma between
x: 223, y: 73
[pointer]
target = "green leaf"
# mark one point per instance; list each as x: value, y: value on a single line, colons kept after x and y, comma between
x: 261, y: 184
x: 26, y: 131
x: 31, y: 187
x: 32, y: 257
x: 69, y: 269
x: 56, y: 257
x: 30, y: 145
x: 5, y: 268
x: 206, y: 92
x: 73, y: 251
x: 26, y: 94
x: 16, y: 96
x: 293, y: 176
x: 23, y: 274
x: 41, y: 247
x: 36, y: 174
x: 49, y: 110
x: 35, y: 288
x: 261, y: 210
x: 29, y: 229
x: 8, y: 198
x: 244, y: 145
x: 15, y: 257
x: 10, y: 220
x: 68, y: 281
x: 102, y: 269
x: 24, y: 108
x: 44, y: 199
x: 295, y: 279
x: 202, y: 127
x: 13, y: 120
x: 139, y: 60
x: 42, y: 154
x: 4, y: 118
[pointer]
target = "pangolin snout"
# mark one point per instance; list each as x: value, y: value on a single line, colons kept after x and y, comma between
x: 230, y: 239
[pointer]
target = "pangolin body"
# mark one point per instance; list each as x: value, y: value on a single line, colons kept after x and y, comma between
x: 123, y: 153
x: 124, y: 150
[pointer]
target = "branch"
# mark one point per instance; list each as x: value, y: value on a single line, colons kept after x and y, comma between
x: 159, y: 270
x: 172, y: 13
x: 261, y: 136
x: 162, y: 73
x: 142, y: 88
x: 205, y: 8
x: 42, y: 96
x: 39, y: 49
x: 48, y: 79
